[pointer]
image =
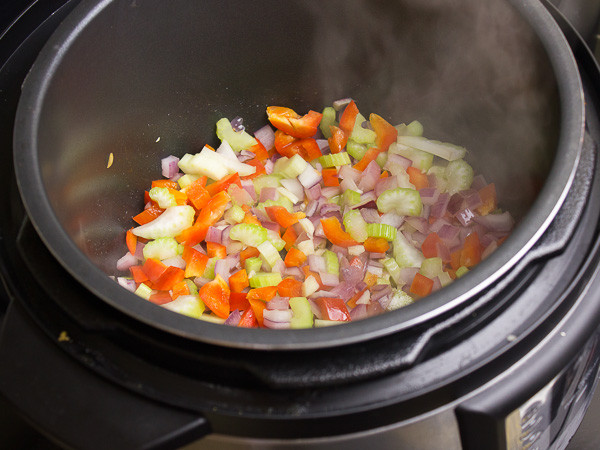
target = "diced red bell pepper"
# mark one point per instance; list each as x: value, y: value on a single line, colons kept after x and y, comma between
x: 160, y: 297
x: 430, y: 245
x: 195, y: 262
x: 197, y: 193
x: 265, y: 293
x: 471, y: 252
x: 288, y: 121
x: 148, y: 214
x: 290, y: 287
x: 421, y: 285
x: 330, y: 177
x: 214, y: 250
x: 259, y: 151
x: 338, y: 139
x: 238, y: 300
x: 488, y: 198
x: 153, y: 269
x: 180, y: 197
x: 248, y: 252
x: 333, y: 231
x: 165, y: 183
x: 169, y: 278
x: 349, y: 117
x: 282, y: 141
x: 376, y: 245
x: 238, y: 281
x: 131, y: 241
x: 417, y: 178
x: 258, y: 307
x: 310, y: 149
x: 294, y: 258
x: 370, y: 155
x: 386, y: 133
x: 333, y: 309
x: 223, y: 184
x: 208, y: 216
x: 215, y: 295
x: 289, y: 237
x: 180, y: 288
x: 282, y: 216
x: 248, y: 319
x: 260, y: 169
x: 138, y: 274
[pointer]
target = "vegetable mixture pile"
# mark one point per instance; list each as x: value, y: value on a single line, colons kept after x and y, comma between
x: 327, y: 218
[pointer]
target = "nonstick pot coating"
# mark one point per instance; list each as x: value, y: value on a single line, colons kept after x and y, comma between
x: 145, y: 79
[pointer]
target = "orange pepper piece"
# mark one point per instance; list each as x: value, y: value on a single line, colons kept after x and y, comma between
x: 333, y: 231
x: 215, y: 295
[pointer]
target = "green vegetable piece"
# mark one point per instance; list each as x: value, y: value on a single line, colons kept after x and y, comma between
x: 350, y: 198
x: 144, y: 291
x: 235, y: 214
x: 274, y: 238
x: 248, y: 234
x: 415, y: 128
x: 163, y: 197
x: 238, y: 140
x: 264, y: 279
x: 402, y: 201
x: 282, y: 201
x: 253, y: 265
x: 209, y: 271
x: 399, y: 300
x: 334, y: 160
x: 381, y: 159
x: 169, y: 224
x: 266, y: 181
x: 293, y: 166
x: 162, y: 248
x: 420, y: 159
x: 269, y: 253
x: 431, y: 267
x: 360, y: 134
x: 191, y: 286
x: 188, y: 305
x: 356, y: 150
x: 393, y: 269
x: 459, y: 175
x: 332, y: 263
x: 302, y: 313
x: 382, y: 230
x: 327, y: 120
x: 355, y: 224
x: 449, y: 152
x: 319, y: 323
x: 461, y: 271
x: 187, y: 179
x: 405, y: 254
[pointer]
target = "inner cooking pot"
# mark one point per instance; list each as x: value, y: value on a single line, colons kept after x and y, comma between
x: 143, y: 79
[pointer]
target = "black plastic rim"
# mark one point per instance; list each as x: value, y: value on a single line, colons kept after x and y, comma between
x: 515, y: 248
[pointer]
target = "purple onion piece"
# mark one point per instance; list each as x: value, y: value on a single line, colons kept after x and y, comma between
x: 127, y: 283
x: 370, y: 176
x: 266, y: 136
x: 329, y: 279
x: 277, y: 302
x: 214, y: 235
x: 269, y: 193
x: 169, y: 166
x: 370, y: 215
x: 234, y: 318
x: 126, y: 261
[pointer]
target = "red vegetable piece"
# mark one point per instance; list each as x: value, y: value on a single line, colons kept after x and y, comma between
x: 386, y: 133
x: 349, y: 117
x: 169, y: 278
x: 223, y: 184
x: 238, y: 300
x: 131, y: 241
x: 421, y: 285
x: 333, y: 231
x: 215, y: 295
x: 333, y: 309
x: 338, y: 139
x: 430, y: 245
x: 288, y: 121
x: 248, y: 319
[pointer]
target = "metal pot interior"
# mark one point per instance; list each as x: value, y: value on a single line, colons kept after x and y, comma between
x: 144, y: 79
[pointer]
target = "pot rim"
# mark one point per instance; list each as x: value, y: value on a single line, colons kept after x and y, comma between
x: 523, y: 238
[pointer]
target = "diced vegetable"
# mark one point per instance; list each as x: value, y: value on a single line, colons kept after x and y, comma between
x: 170, y: 223
x: 239, y: 140
x: 402, y: 201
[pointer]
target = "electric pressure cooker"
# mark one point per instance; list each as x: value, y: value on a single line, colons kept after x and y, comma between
x: 506, y: 357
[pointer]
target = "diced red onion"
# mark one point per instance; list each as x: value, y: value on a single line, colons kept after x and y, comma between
x: 370, y: 176
x: 176, y: 177
x: 385, y: 184
x: 316, y: 263
x: 377, y: 255
x: 496, y: 222
x: 489, y: 249
x: 269, y: 193
x: 329, y: 279
x: 329, y: 208
x: 248, y: 185
x: 169, y: 166
x: 277, y: 302
x: 437, y: 225
x: 441, y: 206
x: 374, y: 309
x: 278, y: 315
x: 443, y: 250
x: 139, y: 251
x: 370, y: 215
x: 234, y: 318
x: 385, y: 301
x: 437, y: 285
x: 266, y: 136
x: 448, y: 233
x: 214, y: 234
x: 348, y: 184
x: 279, y: 266
x: 330, y: 192
x: 319, y: 241
x: 295, y: 272
x: 352, y: 275
x: 366, y: 199
x: 473, y: 200
x: 313, y: 193
x: 126, y: 261
x: 344, y: 290
x: 127, y: 283
x: 377, y: 294
x: 425, y: 212
x: 269, y: 166
x: 315, y: 309
x: 245, y: 155
x: 429, y: 195
x: 407, y: 274
x: 322, y: 143
x: 201, y: 281
x: 419, y: 224
x: 274, y: 226
x: 455, y: 204
x: 275, y: 325
x: 394, y: 159
x: 358, y: 312
x: 222, y: 268
x: 309, y: 177
x: 365, y: 298
x: 465, y: 216
x: 479, y: 182
x: 311, y: 208
x: 341, y: 103
x: 294, y: 186
x: 240, y: 195
x: 349, y: 172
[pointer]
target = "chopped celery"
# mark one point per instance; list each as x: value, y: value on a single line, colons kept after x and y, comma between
x: 350, y: 198
x: 163, y: 197
x: 382, y: 230
x: 214, y: 165
x: 189, y: 305
x: 445, y: 279
x: 356, y: 150
x: 402, y: 201
x: 332, y: 263
x: 415, y: 128
x: 302, y: 313
x: 290, y: 195
x: 170, y: 223
x: 248, y: 234
x: 310, y: 286
x: 235, y: 214
x: 392, y: 268
x: 382, y: 159
x: 274, y: 238
x: 253, y: 265
x: 144, y: 291
x: 212, y: 319
x: 405, y: 253
x: 307, y: 226
x: 355, y: 224
x: 462, y: 270
x: 420, y: 159
x: 239, y: 140
x: 384, y: 279
x: 282, y: 201
x: 449, y: 152
x: 320, y: 323
x: 399, y: 299
x: 334, y: 160
x: 209, y: 270
x: 162, y: 248
x: 459, y: 176
x: 187, y: 179
x: 335, y: 200
x: 191, y: 286
x: 307, y: 247
x: 327, y: 120
x: 269, y: 253
x: 266, y: 181
x: 431, y: 267
x: 264, y: 279
x: 279, y: 164
x: 360, y: 134
x: 293, y: 166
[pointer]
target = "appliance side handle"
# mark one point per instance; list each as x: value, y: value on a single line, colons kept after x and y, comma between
x: 77, y: 408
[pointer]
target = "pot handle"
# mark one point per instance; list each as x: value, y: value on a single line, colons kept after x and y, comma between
x: 76, y: 407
